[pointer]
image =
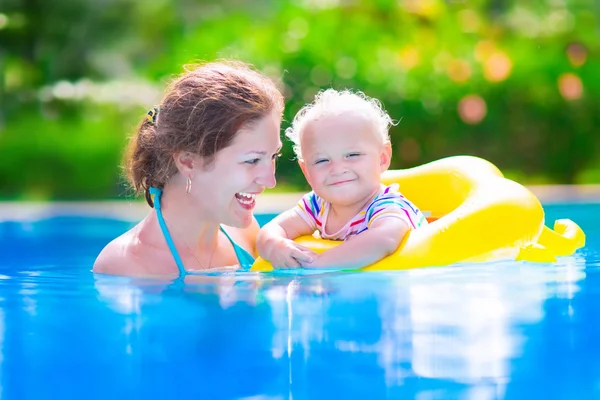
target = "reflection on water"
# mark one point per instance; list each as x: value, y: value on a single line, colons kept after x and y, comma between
x: 490, y: 331
x: 439, y: 329
x: 2, y: 329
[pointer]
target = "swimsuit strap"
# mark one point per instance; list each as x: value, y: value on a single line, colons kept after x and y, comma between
x: 244, y: 258
x: 163, y: 227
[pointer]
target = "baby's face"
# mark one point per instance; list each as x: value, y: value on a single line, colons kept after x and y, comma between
x: 343, y: 158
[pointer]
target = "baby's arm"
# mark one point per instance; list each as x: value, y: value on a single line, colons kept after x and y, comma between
x: 275, y: 241
x: 381, y: 239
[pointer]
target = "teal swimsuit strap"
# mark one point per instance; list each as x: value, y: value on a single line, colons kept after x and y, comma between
x: 244, y: 258
x: 163, y: 227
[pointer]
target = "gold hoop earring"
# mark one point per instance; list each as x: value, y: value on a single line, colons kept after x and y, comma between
x: 188, y: 185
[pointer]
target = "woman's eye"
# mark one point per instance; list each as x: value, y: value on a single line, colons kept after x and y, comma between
x: 253, y: 161
x: 276, y: 156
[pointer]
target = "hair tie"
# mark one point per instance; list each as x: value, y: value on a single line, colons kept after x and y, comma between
x: 153, y: 114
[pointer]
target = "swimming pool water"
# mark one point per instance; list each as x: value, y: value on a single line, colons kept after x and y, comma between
x: 510, y: 330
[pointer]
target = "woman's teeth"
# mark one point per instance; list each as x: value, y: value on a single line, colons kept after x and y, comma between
x: 245, y: 198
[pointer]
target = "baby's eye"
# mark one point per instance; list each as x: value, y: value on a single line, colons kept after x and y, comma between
x: 253, y: 161
x: 354, y: 154
x: 320, y: 161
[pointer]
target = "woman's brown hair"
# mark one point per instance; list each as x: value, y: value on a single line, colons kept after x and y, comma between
x: 201, y: 112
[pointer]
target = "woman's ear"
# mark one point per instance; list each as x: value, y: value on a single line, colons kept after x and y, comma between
x: 185, y: 161
x: 386, y: 156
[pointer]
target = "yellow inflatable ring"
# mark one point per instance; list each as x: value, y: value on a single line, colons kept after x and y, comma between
x: 476, y: 215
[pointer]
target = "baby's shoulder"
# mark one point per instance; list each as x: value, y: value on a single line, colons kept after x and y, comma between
x: 389, y: 193
x: 312, y: 200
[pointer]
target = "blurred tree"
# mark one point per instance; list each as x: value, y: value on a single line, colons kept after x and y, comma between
x: 509, y: 81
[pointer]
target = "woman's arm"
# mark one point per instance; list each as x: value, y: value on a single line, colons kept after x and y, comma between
x: 381, y: 239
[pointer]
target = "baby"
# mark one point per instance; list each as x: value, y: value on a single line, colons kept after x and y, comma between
x: 342, y: 144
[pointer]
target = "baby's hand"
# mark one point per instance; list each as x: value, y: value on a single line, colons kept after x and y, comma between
x: 288, y: 254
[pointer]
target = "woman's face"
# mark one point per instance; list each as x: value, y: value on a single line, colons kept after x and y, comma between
x: 227, y: 187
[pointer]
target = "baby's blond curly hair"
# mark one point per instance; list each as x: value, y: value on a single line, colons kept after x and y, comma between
x: 331, y: 102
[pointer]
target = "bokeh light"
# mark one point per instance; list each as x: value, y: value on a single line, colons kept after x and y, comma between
x: 3, y: 21
x: 484, y: 49
x: 409, y: 57
x: 497, y: 67
x: 346, y: 67
x: 570, y: 86
x: 459, y: 71
x: 472, y: 109
x: 425, y: 8
x: 320, y: 76
x: 469, y: 21
x: 577, y: 54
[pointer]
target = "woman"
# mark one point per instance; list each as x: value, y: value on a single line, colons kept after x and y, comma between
x: 200, y: 157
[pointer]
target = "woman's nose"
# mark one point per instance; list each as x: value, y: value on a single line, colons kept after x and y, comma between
x: 267, y: 177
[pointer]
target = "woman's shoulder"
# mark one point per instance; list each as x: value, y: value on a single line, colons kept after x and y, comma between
x: 114, y: 258
x: 122, y: 256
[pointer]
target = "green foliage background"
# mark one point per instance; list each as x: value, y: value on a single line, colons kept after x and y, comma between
x: 77, y: 76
